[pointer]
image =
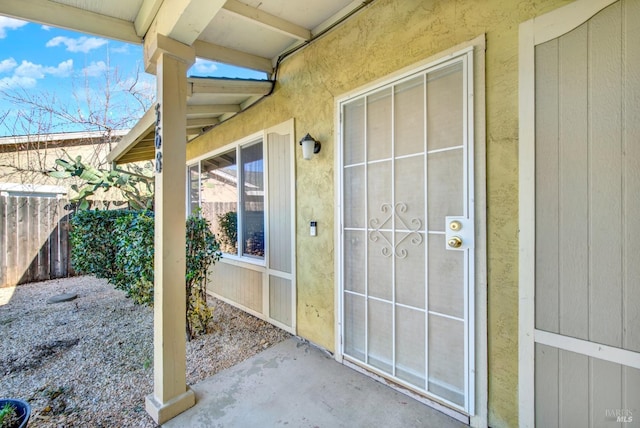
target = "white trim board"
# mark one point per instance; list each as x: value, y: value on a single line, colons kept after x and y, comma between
x: 590, y: 349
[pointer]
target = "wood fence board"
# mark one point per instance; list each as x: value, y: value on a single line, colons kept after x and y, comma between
x: 45, y: 222
x: 34, y: 239
x: 3, y: 240
x: 12, y: 248
x: 55, y: 261
x: 64, y: 249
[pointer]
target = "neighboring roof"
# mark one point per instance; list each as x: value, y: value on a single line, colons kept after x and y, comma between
x: 27, y: 189
x: 59, y: 137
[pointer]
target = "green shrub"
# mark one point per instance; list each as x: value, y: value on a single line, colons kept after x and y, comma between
x: 118, y: 245
x: 133, y: 236
x: 92, y: 247
x: 203, y: 250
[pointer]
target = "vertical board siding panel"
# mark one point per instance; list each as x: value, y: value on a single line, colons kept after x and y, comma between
x: 280, y: 300
x: 279, y: 203
x: 546, y: 386
x: 631, y: 391
x: 240, y: 285
x: 547, y: 251
x: 287, y: 223
x: 574, y: 389
x: 606, y: 390
x: 605, y: 306
x: 573, y: 224
x: 275, y: 241
x: 631, y: 168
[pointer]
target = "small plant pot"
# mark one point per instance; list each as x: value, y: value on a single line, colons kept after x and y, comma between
x: 23, y: 410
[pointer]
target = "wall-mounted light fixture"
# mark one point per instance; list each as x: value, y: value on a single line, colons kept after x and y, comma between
x: 309, y: 146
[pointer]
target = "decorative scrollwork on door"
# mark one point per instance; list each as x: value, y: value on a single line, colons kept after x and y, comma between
x: 410, y: 227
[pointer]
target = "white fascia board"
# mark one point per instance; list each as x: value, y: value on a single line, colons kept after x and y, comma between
x: 61, y: 15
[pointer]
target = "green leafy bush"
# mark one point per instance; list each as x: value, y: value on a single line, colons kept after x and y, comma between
x: 118, y: 245
x: 133, y: 236
x: 203, y: 250
x: 92, y: 247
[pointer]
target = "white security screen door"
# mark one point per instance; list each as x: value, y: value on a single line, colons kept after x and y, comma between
x: 407, y: 231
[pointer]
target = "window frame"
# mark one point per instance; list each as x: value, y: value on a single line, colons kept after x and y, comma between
x: 237, y: 146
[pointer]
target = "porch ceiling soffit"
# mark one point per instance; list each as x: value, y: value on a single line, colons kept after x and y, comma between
x: 247, y: 33
x: 209, y: 101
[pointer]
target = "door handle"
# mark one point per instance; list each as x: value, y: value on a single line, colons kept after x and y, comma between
x: 459, y: 233
x: 454, y: 242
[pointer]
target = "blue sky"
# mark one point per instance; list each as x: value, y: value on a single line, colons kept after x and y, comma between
x: 59, y: 65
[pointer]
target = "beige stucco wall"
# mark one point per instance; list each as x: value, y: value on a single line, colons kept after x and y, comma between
x: 385, y: 37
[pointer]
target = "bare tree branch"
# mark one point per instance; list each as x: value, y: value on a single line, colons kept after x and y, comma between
x: 99, y: 105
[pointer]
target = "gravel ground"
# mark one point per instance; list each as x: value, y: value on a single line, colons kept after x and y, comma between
x: 89, y: 361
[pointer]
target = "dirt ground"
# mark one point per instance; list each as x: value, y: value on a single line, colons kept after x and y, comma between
x: 89, y: 361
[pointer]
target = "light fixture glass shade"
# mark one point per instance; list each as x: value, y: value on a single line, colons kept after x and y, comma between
x: 307, y: 148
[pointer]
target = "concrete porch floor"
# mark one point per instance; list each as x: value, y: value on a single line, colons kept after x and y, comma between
x: 294, y: 384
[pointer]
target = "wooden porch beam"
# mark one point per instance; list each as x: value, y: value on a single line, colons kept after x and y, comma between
x: 230, y: 86
x: 267, y: 20
x: 212, y: 109
x: 226, y: 55
x: 185, y: 20
x: 146, y: 15
x: 202, y: 122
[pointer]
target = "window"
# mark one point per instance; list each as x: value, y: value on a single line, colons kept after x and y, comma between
x: 252, y: 200
x: 223, y: 188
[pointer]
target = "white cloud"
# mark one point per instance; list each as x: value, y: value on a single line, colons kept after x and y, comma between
x: 204, y: 66
x: 63, y: 69
x: 17, y: 82
x: 39, y: 71
x: 95, y: 69
x: 7, y: 65
x: 9, y: 24
x: 81, y: 44
x: 45, y: 28
x: 120, y: 49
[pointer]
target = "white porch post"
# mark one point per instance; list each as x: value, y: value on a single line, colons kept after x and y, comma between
x: 171, y: 395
